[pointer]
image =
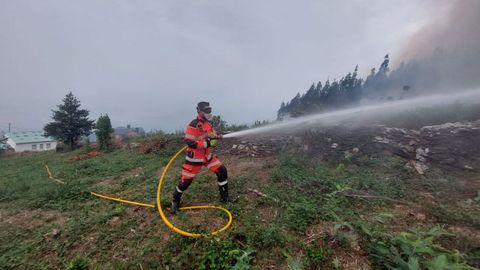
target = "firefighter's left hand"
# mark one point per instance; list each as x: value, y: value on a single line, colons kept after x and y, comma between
x: 213, y: 142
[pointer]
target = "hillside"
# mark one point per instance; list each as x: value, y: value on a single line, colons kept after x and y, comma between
x: 334, y: 198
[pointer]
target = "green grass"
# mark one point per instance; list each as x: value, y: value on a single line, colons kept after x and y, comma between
x: 302, y: 194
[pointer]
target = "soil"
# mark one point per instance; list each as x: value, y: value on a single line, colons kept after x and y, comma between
x: 32, y: 218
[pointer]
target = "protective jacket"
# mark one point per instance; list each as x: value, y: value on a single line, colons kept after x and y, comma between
x: 199, y: 152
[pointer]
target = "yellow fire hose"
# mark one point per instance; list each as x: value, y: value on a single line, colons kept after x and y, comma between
x: 159, y: 206
x: 170, y: 225
x: 53, y: 178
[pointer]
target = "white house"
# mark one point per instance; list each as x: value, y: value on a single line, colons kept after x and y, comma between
x: 30, y: 141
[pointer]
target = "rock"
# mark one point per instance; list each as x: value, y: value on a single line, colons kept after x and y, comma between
x: 234, y: 146
x: 419, y: 167
x: 348, y: 154
x: 53, y: 234
x: 355, y: 150
x: 421, y: 154
x: 240, y: 147
x: 381, y: 139
x: 334, y: 145
x: 114, y: 221
x: 468, y: 167
x: 408, y: 165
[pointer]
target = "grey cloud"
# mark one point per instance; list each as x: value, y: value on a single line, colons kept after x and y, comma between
x: 148, y: 62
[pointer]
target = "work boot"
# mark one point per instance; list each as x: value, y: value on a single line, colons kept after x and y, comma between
x: 177, y: 196
x: 224, y: 197
x: 174, y: 207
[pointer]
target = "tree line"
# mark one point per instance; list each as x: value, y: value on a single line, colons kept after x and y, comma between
x: 347, y: 91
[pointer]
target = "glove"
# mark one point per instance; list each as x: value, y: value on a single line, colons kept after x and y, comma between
x: 213, y: 142
x: 219, y: 136
x: 212, y: 135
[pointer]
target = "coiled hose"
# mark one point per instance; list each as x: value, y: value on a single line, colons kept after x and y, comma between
x: 159, y: 206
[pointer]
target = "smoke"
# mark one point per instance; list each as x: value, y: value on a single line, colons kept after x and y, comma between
x: 445, y: 52
x: 441, y: 67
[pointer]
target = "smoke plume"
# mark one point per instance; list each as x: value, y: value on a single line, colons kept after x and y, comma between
x: 445, y: 52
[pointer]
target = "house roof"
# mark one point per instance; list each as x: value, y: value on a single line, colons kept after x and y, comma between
x: 29, y: 137
x: 122, y: 131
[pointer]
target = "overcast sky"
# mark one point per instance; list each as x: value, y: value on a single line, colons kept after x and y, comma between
x: 147, y: 63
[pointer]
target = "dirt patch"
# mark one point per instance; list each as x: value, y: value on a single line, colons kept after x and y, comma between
x: 110, y: 182
x: 267, y: 214
x: 251, y: 167
x: 145, y: 216
x: 205, y: 220
x: 33, y: 218
x: 254, y: 169
x: 88, y: 155
x: 352, y: 260
x: 132, y: 173
x: 352, y: 257
x: 87, y: 246
x: 468, y: 232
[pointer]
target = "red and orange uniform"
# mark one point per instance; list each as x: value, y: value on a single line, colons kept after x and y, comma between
x: 199, y: 152
x: 199, y: 137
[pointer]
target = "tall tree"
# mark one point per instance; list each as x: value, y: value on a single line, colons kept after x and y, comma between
x: 281, y: 111
x: 70, y: 123
x: 104, y: 131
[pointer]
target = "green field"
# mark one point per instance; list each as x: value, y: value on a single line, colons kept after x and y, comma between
x: 358, y: 213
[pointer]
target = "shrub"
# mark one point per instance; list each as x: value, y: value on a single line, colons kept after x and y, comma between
x: 78, y: 263
x: 416, y: 250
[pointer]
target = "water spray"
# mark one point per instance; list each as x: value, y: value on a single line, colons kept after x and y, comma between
x: 367, y: 112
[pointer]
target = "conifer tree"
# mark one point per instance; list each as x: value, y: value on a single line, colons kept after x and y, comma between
x: 104, y: 131
x: 70, y: 123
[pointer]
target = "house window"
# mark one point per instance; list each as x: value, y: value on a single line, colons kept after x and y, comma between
x: 34, y: 147
x: 41, y: 146
x: 47, y: 145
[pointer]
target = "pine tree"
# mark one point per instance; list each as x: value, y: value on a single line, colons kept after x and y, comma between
x: 281, y: 112
x: 384, y: 66
x: 70, y: 123
x: 104, y: 131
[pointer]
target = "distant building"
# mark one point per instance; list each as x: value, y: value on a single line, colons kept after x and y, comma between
x: 92, y: 138
x: 124, y: 132
x: 30, y: 141
x: 3, y: 142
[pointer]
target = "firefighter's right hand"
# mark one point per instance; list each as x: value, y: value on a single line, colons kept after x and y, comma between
x: 212, y: 135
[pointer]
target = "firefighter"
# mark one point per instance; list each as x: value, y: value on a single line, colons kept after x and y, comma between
x: 200, y: 137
